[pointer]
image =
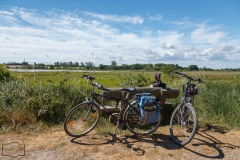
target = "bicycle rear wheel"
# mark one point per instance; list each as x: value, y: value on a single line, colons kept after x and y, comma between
x: 183, y: 124
x: 135, y: 124
x: 82, y: 119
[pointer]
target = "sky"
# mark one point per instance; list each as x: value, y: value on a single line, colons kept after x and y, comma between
x: 205, y: 33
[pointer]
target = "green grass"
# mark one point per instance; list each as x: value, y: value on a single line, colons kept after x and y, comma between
x: 219, y: 103
x: 108, y: 78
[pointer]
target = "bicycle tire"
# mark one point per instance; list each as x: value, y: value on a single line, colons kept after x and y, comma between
x: 134, y: 122
x: 183, y: 126
x: 82, y: 119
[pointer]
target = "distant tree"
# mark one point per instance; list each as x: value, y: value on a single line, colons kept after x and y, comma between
x: 24, y: 63
x: 101, y: 66
x: 125, y: 67
x: 64, y: 64
x: 70, y: 64
x: 113, y: 65
x: 89, y: 65
x: 193, y: 68
x: 57, y: 64
x: 168, y: 69
x: 76, y: 64
x: 51, y: 67
x: 82, y: 64
x: 137, y: 66
x: 160, y: 65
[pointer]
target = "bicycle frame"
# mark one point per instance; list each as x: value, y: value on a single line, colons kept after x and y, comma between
x: 95, y: 96
x: 116, y: 99
x: 187, y: 97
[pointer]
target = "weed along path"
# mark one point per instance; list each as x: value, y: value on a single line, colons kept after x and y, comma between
x: 54, y: 144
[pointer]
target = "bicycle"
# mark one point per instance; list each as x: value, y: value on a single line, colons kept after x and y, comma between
x: 183, y: 123
x: 82, y: 118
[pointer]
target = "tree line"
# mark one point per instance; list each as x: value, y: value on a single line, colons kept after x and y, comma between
x: 112, y: 66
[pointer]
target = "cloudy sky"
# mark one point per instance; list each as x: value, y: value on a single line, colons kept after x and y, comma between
x: 201, y: 32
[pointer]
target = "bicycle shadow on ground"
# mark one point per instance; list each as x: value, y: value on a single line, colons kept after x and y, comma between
x: 95, y: 139
x: 206, y: 145
x: 203, y: 145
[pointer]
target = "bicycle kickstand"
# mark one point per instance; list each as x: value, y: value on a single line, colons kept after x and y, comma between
x: 115, y: 130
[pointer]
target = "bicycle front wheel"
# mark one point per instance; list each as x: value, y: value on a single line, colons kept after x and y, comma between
x: 135, y: 123
x: 183, y: 124
x: 82, y: 119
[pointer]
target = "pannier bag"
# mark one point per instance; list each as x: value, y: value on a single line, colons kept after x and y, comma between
x: 148, y: 103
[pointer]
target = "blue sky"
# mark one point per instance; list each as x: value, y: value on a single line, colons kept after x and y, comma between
x: 201, y: 32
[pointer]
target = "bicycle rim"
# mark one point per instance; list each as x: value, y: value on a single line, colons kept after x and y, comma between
x: 183, y: 124
x: 81, y: 119
x: 134, y: 122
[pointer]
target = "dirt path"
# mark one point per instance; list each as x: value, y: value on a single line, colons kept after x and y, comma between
x: 56, y: 145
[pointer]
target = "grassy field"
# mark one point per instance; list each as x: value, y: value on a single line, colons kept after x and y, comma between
x: 108, y: 78
x: 46, y: 97
x: 113, y: 78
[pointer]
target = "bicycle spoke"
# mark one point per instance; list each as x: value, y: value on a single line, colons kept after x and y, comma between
x: 183, y: 125
x: 136, y: 124
x: 81, y: 119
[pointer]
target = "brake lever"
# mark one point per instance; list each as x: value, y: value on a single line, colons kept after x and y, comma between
x: 200, y: 81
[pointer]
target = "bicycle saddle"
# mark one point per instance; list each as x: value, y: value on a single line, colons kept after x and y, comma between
x: 128, y: 89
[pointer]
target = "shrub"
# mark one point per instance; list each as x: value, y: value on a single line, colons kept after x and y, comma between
x: 4, y: 73
x: 138, y: 80
x: 25, y: 103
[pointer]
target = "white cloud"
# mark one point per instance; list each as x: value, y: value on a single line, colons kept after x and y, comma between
x: 126, y: 19
x: 204, y: 34
x: 156, y: 18
x: 167, y: 46
x: 62, y: 36
x: 170, y: 37
x: 226, y: 47
x: 185, y: 21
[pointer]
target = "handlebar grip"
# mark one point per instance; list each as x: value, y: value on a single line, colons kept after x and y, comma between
x: 88, y: 77
x: 84, y: 75
x: 200, y: 81
x: 178, y: 72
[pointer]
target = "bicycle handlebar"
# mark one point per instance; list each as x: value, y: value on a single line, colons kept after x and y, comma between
x: 190, y: 78
x: 90, y: 78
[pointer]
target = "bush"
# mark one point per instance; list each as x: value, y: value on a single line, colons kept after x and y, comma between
x: 25, y: 103
x: 4, y: 74
x: 135, y: 81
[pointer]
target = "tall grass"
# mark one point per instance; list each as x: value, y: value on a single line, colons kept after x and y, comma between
x: 219, y: 104
x: 26, y: 103
x: 218, y: 101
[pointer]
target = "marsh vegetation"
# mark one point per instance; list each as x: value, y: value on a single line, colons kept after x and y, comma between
x: 33, y: 101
